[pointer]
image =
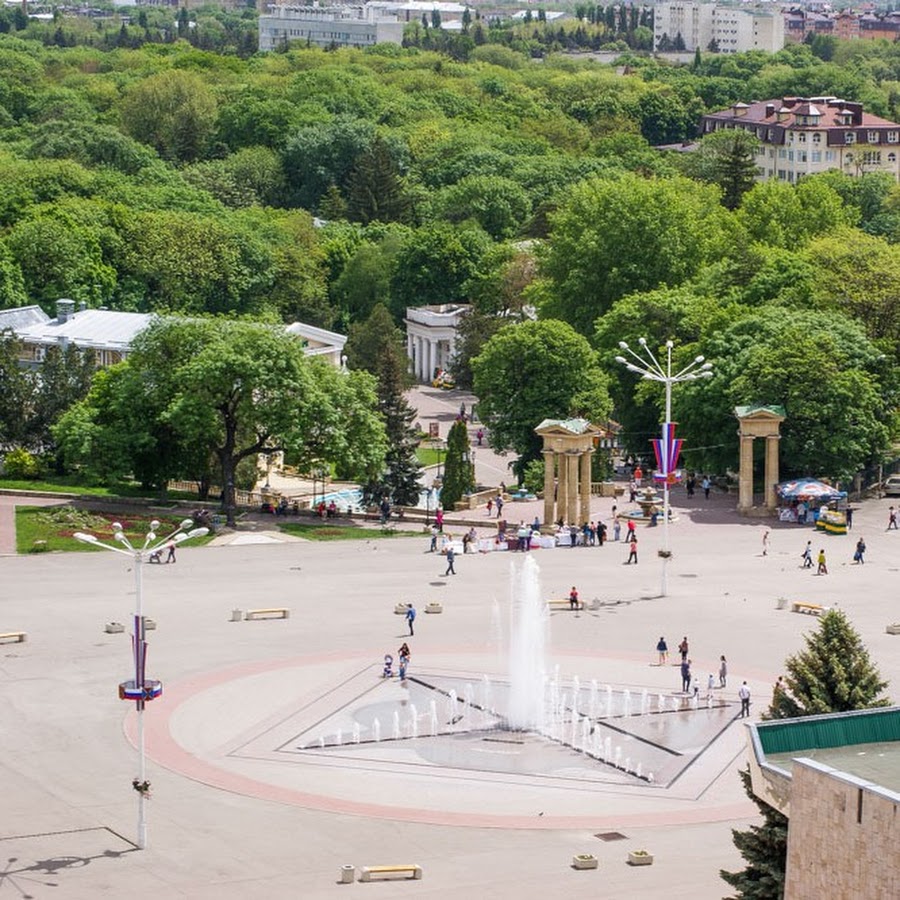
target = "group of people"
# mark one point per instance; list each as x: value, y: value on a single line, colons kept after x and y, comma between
x: 403, y: 655
x: 690, y: 684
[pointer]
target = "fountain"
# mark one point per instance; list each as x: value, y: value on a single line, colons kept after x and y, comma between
x: 592, y: 699
x: 396, y: 732
x: 339, y: 738
x: 434, y: 717
x: 413, y: 721
x: 356, y: 732
x: 527, y: 648
x: 376, y: 730
x: 626, y: 703
x: 452, y: 707
x: 645, y: 704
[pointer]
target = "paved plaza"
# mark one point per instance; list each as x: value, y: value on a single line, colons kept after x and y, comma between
x: 254, y: 796
x: 233, y: 815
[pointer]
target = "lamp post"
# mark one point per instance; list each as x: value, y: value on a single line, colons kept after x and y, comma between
x: 141, y: 689
x: 647, y: 366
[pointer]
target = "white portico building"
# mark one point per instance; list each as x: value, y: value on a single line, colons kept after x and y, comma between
x: 431, y: 337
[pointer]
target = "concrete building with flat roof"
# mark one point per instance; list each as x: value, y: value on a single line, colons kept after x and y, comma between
x: 327, y: 26
x: 837, y: 779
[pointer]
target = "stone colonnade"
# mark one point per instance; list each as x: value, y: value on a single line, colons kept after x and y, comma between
x: 763, y: 422
x: 568, y: 447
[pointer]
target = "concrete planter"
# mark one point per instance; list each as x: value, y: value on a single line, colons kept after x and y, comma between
x: 400, y: 609
x: 584, y: 861
x: 114, y: 628
x: 640, y: 858
x: 893, y: 629
x: 434, y: 608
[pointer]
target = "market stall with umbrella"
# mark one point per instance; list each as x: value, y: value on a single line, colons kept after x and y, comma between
x: 810, y: 501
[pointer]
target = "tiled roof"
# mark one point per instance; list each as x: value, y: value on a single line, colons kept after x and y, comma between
x: 830, y: 110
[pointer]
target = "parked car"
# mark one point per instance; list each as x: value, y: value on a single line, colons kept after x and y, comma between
x: 891, y: 486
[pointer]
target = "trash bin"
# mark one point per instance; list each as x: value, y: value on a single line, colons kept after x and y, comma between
x: 348, y: 874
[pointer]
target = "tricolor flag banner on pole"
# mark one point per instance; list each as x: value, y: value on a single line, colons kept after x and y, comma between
x: 667, y: 450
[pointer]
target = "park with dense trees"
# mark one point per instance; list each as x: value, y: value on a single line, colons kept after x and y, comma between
x: 186, y: 178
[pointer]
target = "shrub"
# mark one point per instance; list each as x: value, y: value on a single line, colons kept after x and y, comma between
x: 19, y: 463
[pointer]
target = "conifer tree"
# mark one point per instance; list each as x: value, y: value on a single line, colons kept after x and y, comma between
x: 764, y: 847
x: 375, y: 345
x: 375, y: 190
x: 459, y: 472
x: 832, y: 674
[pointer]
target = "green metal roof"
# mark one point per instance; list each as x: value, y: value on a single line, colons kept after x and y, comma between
x: 743, y: 411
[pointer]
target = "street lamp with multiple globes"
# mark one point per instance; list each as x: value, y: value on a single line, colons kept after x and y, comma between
x: 141, y: 689
x: 647, y: 366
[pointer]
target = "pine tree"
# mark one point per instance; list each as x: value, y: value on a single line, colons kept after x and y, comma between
x: 765, y: 849
x: 375, y: 345
x: 833, y: 674
x: 374, y: 189
x: 459, y: 472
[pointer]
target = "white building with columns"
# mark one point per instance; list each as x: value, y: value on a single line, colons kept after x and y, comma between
x: 431, y: 337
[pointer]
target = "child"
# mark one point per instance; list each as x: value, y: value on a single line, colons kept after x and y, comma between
x: 388, y: 670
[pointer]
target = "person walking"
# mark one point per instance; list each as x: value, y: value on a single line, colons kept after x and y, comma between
x: 706, y: 485
x: 434, y: 537
x: 685, y: 676
x: 451, y: 556
x: 823, y: 567
x: 806, y: 556
x: 617, y: 527
x: 662, y: 648
x: 683, y: 648
x: 439, y: 518
x: 630, y: 530
x: 499, y: 504
x: 632, y: 551
x: 723, y: 671
x: 170, y: 546
x: 892, y: 518
x: 859, y: 557
x: 410, y: 617
x: 573, y: 598
x: 744, y: 695
x: 765, y: 542
x: 490, y: 505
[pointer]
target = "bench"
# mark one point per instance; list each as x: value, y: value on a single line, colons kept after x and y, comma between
x: 277, y: 612
x: 811, y: 608
x: 366, y: 873
x: 563, y: 604
x: 18, y: 637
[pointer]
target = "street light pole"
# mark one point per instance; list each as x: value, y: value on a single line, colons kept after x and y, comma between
x: 648, y: 367
x: 140, y: 690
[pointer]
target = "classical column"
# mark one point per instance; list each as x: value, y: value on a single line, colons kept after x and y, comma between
x: 585, y: 505
x: 745, y: 479
x: 411, y: 349
x: 562, y: 488
x: 549, y: 480
x: 771, y: 469
x: 420, y: 358
x: 572, y: 501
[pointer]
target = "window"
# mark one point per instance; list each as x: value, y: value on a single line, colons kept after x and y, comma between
x: 849, y: 158
x: 801, y: 156
x: 830, y: 156
x: 782, y: 153
x: 892, y: 158
x: 893, y: 137
x: 871, y: 137
x: 802, y: 138
x: 850, y: 137
x: 872, y: 158
x: 816, y: 156
x: 791, y: 155
x: 817, y: 138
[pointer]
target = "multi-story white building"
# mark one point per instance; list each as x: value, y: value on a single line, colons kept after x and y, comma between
x: 726, y: 29
x: 802, y: 136
x: 328, y: 26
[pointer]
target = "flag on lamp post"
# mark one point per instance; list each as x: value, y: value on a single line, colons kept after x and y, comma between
x: 667, y: 450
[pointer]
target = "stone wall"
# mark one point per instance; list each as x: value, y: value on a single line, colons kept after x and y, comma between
x: 843, y: 837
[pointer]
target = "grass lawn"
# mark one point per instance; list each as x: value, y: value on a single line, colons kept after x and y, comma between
x: 69, y: 486
x: 428, y: 456
x: 342, y: 532
x: 55, y: 525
